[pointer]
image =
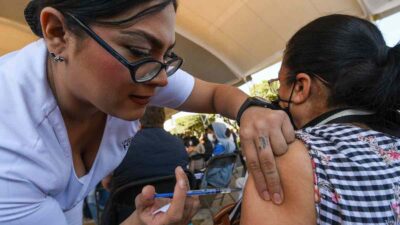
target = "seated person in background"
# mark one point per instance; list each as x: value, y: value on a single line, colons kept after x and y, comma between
x: 196, y: 154
x: 216, y: 133
x: 340, y: 84
x: 193, y: 146
x: 186, y: 143
x: 208, y: 146
x: 232, y: 136
x: 219, y: 177
x: 153, y: 151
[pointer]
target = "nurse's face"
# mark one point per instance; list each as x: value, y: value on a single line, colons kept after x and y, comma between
x: 97, y: 78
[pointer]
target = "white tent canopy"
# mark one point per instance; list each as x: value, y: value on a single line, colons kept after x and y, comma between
x: 222, y: 40
x: 249, y: 35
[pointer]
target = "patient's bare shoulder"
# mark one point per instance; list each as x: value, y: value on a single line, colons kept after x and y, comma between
x: 296, y: 174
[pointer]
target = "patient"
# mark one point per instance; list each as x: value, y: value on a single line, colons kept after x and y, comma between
x: 340, y: 84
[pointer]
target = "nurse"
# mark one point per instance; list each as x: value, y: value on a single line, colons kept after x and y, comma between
x: 70, y: 103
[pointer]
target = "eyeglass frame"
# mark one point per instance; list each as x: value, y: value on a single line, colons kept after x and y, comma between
x: 311, y: 74
x: 132, y: 67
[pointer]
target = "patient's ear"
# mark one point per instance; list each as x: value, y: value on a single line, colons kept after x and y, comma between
x: 54, y: 30
x: 302, y: 88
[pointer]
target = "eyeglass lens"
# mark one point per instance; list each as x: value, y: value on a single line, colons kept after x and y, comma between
x: 147, y: 70
x: 173, y: 67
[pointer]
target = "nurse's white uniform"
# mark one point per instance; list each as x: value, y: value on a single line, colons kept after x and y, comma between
x: 38, y: 184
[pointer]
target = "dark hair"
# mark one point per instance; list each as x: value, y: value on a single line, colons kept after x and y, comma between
x: 195, y: 141
x: 88, y: 11
x: 228, y: 132
x: 204, y: 137
x: 190, y: 141
x: 186, y: 141
x: 153, y: 117
x: 351, y: 55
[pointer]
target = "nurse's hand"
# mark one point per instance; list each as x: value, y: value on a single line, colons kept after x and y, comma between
x: 181, y: 210
x: 263, y: 134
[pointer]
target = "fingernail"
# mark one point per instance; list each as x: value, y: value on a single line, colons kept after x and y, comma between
x: 277, y: 198
x: 266, y: 196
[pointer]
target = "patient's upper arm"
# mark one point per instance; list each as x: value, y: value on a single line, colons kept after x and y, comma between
x: 297, y: 180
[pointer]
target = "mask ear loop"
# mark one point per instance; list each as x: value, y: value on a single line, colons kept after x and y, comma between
x: 290, y: 97
x: 287, y: 110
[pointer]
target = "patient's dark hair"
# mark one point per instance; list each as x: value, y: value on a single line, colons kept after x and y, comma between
x: 351, y: 55
x: 88, y: 11
x: 154, y: 117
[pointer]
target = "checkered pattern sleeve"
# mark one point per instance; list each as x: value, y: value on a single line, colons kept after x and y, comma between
x: 356, y: 174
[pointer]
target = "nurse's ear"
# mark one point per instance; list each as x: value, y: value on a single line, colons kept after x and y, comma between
x: 55, y: 31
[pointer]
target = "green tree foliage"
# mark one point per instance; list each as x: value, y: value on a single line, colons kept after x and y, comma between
x: 192, y: 124
x: 265, y: 89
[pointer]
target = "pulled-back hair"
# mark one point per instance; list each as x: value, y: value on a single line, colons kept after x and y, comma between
x: 351, y: 55
x: 154, y: 117
x: 88, y: 10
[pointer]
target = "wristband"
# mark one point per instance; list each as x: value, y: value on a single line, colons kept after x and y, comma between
x: 253, y: 101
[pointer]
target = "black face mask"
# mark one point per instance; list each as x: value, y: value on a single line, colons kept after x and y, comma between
x: 287, y: 109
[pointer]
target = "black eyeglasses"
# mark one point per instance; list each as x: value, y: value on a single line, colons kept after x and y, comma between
x: 274, y: 85
x: 142, y: 70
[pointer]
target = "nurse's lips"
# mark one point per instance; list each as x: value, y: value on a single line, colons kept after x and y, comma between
x: 140, y: 100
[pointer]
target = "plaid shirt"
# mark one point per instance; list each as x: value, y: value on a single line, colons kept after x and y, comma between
x: 356, y: 174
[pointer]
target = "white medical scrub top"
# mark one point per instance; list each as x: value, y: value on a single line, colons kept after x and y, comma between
x: 38, y: 184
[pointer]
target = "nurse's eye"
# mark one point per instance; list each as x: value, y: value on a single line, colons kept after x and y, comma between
x: 138, y: 53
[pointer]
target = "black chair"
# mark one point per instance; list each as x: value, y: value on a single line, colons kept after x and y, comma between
x: 121, y: 203
x: 217, y: 164
x: 99, y: 199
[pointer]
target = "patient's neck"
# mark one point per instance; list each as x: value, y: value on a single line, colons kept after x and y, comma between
x: 309, y: 112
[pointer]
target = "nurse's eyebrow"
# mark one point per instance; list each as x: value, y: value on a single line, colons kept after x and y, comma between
x: 153, y: 40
